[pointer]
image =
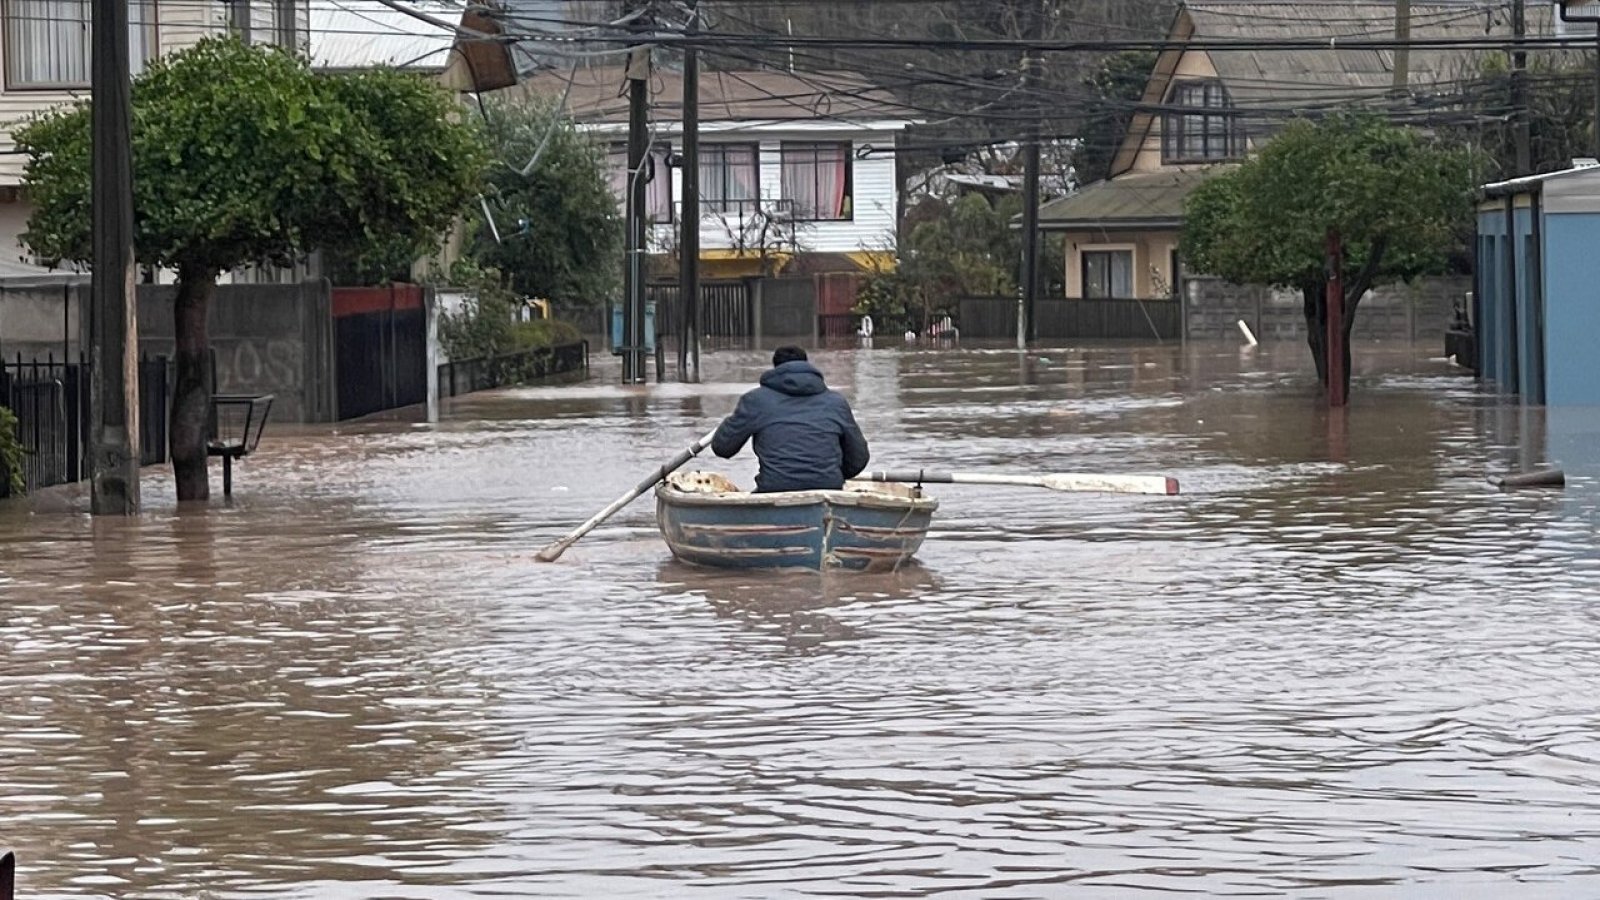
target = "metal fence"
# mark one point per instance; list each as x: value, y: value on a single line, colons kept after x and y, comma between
x: 51, y: 402
x: 488, y: 372
x: 725, y: 309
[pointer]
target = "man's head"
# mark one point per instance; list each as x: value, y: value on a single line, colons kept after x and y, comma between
x: 787, y: 353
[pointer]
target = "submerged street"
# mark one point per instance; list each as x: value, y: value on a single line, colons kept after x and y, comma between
x: 1340, y: 664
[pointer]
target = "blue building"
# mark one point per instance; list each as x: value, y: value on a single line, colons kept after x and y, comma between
x: 1536, y: 309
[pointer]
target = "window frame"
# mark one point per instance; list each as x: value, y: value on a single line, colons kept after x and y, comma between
x: 722, y: 204
x: 658, y: 156
x: 152, y: 44
x: 811, y: 151
x: 1109, y: 253
x: 1208, y: 114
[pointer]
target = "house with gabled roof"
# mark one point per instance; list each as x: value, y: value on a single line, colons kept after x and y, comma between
x: 1203, y: 110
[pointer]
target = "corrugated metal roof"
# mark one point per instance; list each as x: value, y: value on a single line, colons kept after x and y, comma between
x: 1287, y: 78
x: 361, y: 34
x: 599, y: 95
x: 1144, y: 199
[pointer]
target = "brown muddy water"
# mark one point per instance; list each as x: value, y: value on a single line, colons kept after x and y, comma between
x: 1340, y: 665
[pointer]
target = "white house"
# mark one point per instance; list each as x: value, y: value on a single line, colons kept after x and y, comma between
x: 797, y: 173
x: 45, y: 59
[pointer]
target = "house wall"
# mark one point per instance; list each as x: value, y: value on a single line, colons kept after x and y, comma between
x: 1193, y: 64
x: 1572, y: 309
x: 875, y: 207
x: 1152, y: 259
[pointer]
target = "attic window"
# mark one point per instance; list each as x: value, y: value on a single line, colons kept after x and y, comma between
x: 1196, y: 134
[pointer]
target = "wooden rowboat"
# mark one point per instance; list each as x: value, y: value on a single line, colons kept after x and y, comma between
x: 706, y: 520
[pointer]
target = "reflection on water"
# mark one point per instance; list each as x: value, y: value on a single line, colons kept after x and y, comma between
x: 1338, y: 664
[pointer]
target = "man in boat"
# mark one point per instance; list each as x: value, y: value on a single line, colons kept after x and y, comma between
x: 805, y: 436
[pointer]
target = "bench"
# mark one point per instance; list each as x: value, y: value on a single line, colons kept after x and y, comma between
x: 237, y: 421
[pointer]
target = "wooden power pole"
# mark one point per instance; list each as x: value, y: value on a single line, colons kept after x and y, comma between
x: 1028, y: 325
x: 689, y: 217
x: 1522, y: 133
x: 1402, y: 50
x: 113, y: 314
x: 636, y: 342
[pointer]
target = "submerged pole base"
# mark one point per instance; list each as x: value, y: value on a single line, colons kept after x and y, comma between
x: 1551, y: 478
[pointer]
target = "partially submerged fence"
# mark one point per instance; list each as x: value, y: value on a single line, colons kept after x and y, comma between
x: 51, y: 402
x: 488, y: 372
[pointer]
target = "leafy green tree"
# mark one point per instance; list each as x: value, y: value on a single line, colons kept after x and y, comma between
x: 1396, y: 201
x: 559, y: 232
x: 968, y: 248
x: 242, y: 155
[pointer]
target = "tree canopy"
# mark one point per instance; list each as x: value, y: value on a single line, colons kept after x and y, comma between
x: 242, y: 154
x: 559, y: 231
x: 1397, y: 200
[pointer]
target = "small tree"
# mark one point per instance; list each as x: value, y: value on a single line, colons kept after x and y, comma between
x: 242, y: 155
x: 1395, y: 200
x: 560, y: 236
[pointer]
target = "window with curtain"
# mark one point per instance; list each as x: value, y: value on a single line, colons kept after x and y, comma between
x: 1107, y: 274
x: 730, y: 178
x: 657, y: 191
x: 816, y: 179
x: 1202, y: 131
x: 47, y: 41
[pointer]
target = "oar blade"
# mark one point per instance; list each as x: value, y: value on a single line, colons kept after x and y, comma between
x: 1111, y: 484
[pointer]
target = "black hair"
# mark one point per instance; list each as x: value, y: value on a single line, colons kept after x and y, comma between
x: 787, y: 353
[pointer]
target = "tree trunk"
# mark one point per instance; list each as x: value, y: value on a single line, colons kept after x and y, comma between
x: 191, y: 400
x: 1316, y: 309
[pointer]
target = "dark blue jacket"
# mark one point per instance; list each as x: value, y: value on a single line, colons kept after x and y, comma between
x: 805, y: 435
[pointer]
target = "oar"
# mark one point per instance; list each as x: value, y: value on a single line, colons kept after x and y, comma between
x: 1062, y: 481
x: 554, y: 551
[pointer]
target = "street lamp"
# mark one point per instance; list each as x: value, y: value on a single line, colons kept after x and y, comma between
x: 1586, y: 12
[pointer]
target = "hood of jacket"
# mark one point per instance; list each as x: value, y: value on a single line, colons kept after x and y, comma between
x: 798, y: 378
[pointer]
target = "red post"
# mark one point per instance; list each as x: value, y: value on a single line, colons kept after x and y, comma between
x: 1334, y: 343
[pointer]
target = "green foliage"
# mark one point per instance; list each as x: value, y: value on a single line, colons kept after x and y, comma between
x: 1115, y: 89
x: 560, y: 232
x: 10, y: 452
x: 953, y: 250
x: 1396, y: 199
x: 241, y: 154
x: 487, y: 325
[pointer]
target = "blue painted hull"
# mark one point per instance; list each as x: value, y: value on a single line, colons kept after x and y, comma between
x: 853, y: 530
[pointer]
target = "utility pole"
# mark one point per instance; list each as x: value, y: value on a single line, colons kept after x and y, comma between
x: 239, y: 19
x: 1519, y: 91
x: 1402, y: 51
x: 113, y: 314
x: 1027, y: 322
x: 689, y: 224
x: 636, y: 342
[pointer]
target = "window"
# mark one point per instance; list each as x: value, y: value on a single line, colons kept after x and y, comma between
x: 1107, y: 274
x: 658, y: 186
x: 816, y: 179
x: 729, y: 178
x: 280, y: 15
x: 47, y: 41
x: 1199, y: 136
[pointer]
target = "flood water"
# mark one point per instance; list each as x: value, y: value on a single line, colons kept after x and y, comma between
x: 1339, y: 665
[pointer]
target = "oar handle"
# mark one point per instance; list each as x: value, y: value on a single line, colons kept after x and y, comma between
x: 554, y: 551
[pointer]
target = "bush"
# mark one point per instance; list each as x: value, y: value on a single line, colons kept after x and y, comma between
x: 542, y: 333
x: 10, y: 451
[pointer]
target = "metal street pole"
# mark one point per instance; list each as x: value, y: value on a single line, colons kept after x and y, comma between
x: 114, y: 318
